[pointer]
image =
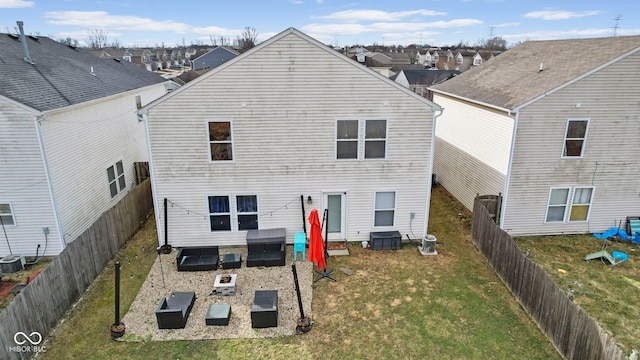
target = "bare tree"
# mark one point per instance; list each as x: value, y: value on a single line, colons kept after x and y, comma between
x: 494, y: 43
x: 247, y: 38
x: 97, y: 38
x: 67, y: 41
x: 219, y: 41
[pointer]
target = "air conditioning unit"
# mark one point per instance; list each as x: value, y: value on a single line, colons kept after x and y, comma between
x: 12, y: 264
x: 428, y: 245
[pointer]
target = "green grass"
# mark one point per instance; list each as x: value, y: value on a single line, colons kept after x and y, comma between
x: 395, y: 304
x: 608, y: 293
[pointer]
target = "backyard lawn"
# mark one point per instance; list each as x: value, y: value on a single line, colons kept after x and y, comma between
x: 385, y: 304
x: 608, y: 293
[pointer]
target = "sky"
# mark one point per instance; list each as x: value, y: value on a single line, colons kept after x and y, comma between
x: 339, y: 23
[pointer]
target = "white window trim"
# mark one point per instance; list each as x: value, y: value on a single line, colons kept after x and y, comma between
x: 584, y: 140
x: 335, y: 137
x: 569, y: 204
x: 233, y: 212
x: 13, y: 214
x: 566, y: 205
x: 233, y: 149
x: 117, y: 178
x: 364, y: 139
x: 257, y: 212
x: 209, y: 213
x: 593, y: 191
x: 395, y: 209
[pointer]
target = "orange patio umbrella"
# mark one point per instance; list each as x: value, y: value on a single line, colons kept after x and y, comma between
x: 316, y: 242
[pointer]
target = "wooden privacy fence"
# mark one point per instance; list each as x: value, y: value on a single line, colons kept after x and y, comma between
x: 42, y: 304
x: 572, y: 331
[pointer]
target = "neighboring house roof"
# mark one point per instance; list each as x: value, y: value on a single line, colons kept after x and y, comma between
x: 190, y: 75
x: 428, y: 77
x: 216, y: 56
x: 62, y: 75
x: 514, y: 78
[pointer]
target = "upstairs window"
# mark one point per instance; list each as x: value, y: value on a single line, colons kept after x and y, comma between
x: 347, y: 139
x: 6, y: 215
x: 375, y: 139
x: 115, y: 176
x: 220, y: 141
x: 477, y: 60
x: 575, y: 138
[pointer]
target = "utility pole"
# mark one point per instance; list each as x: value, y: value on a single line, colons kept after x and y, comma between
x: 615, y: 26
x: 491, y: 28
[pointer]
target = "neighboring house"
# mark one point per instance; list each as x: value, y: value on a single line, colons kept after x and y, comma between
x: 69, y: 137
x: 213, y: 58
x: 556, y: 135
x: 419, y: 81
x: 236, y: 148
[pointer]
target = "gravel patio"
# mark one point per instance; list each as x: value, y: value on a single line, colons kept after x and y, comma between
x: 164, y: 278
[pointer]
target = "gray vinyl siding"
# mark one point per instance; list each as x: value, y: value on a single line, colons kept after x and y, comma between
x: 463, y: 175
x: 81, y: 142
x: 472, y: 149
x: 609, y: 98
x: 283, y: 101
x: 23, y: 183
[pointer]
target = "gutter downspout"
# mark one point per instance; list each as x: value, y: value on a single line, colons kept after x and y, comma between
x: 159, y: 228
x: 505, y: 191
x: 430, y: 178
x: 37, y: 120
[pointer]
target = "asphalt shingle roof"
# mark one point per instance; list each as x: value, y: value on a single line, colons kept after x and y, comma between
x: 513, y: 78
x: 61, y: 75
x: 428, y: 77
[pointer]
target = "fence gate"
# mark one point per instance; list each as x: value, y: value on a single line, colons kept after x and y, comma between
x: 493, y: 204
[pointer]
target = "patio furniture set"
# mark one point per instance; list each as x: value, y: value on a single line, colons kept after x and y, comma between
x: 264, y: 248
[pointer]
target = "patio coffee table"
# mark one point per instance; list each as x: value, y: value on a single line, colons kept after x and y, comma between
x: 218, y: 314
x: 225, y: 288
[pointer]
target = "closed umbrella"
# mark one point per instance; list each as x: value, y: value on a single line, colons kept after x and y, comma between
x: 316, y: 242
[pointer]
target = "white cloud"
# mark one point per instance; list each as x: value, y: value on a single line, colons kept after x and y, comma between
x: 15, y: 3
x: 377, y: 15
x: 503, y: 25
x: 102, y: 19
x: 559, y: 14
x: 558, y: 34
x: 393, y: 27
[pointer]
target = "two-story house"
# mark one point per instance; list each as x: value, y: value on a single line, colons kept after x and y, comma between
x: 69, y: 137
x: 237, y: 148
x: 553, y: 127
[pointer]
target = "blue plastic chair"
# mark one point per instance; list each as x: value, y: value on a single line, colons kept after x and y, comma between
x: 300, y: 245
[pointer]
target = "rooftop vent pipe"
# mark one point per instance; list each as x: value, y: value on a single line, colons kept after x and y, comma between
x: 27, y: 58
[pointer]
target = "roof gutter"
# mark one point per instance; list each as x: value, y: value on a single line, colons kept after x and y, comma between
x: 500, y: 108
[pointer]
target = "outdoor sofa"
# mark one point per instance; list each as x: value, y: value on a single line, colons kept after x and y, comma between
x: 198, y: 258
x: 266, y: 247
